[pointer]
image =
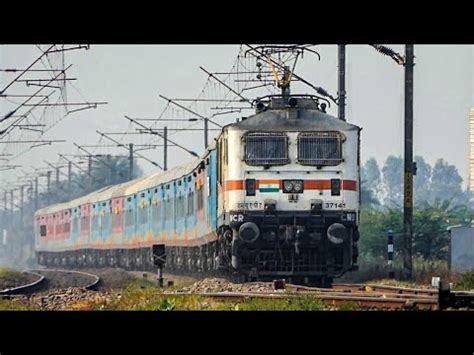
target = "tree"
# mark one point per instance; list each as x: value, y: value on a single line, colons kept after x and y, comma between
x: 374, y: 225
x: 393, y: 181
x: 446, y: 184
x: 422, y: 181
x: 112, y: 170
x: 430, y: 225
x: 367, y: 197
x: 370, y: 182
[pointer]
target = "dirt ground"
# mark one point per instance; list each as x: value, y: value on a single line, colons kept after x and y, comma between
x: 11, y: 278
x: 116, y: 278
x: 64, y: 279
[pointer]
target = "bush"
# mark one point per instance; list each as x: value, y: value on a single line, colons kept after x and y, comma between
x: 375, y: 268
x: 464, y: 281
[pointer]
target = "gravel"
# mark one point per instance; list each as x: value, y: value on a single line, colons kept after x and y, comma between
x: 71, y: 298
x: 211, y: 285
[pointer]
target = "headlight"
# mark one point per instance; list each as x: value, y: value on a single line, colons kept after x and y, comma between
x: 287, y: 186
x: 298, y: 186
x: 293, y: 186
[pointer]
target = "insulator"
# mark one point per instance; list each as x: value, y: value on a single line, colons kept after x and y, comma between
x: 385, y: 50
x: 322, y: 92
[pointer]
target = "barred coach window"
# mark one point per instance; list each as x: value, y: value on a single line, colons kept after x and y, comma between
x: 320, y: 148
x: 266, y: 148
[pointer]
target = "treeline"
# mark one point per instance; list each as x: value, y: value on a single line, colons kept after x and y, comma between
x: 439, y: 202
x: 431, y: 185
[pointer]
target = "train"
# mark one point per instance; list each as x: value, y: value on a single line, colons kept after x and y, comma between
x: 276, y: 195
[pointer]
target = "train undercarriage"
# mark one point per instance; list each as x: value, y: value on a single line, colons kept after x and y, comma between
x: 299, y: 252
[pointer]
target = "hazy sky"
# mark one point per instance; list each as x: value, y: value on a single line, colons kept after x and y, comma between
x: 130, y: 78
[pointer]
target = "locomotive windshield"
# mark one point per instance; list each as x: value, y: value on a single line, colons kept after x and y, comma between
x: 320, y: 148
x: 266, y: 148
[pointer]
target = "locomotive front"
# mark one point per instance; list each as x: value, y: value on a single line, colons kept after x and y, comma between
x: 289, y: 196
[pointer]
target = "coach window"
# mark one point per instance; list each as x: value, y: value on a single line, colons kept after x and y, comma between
x: 200, y: 198
x: 143, y: 214
x: 263, y: 148
x: 156, y: 211
x: 190, y: 203
x: 43, y: 230
x: 180, y: 207
x: 129, y: 220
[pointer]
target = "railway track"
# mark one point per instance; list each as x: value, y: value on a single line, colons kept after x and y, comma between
x: 52, y: 283
x: 49, y: 279
x: 361, y: 296
x: 27, y: 288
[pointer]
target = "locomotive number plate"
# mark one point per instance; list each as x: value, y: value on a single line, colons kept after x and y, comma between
x: 334, y: 205
x: 250, y: 205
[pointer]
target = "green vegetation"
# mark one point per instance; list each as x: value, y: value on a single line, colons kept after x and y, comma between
x: 13, y: 305
x: 373, y: 268
x: 303, y: 303
x: 11, y: 278
x: 439, y: 202
x: 152, y: 299
x: 464, y: 281
x: 8, y: 273
x: 396, y: 283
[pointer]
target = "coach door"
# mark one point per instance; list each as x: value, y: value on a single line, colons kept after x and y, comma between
x: 212, y: 189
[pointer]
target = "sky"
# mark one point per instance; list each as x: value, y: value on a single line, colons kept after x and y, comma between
x: 130, y: 78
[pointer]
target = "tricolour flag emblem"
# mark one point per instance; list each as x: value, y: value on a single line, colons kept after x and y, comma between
x: 269, y: 185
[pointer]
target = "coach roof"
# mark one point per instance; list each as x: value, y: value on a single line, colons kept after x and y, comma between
x: 129, y: 187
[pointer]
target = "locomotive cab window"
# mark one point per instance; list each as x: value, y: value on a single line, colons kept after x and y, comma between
x: 266, y: 148
x: 320, y: 148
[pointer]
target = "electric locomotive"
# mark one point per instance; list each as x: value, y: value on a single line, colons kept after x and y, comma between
x: 288, y: 202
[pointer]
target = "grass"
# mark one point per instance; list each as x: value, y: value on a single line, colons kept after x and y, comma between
x: 393, y: 282
x: 139, y: 283
x: 12, y: 305
x: 10, y: 278
x: 464, y: 281
x: 7, y: 273
x: 375, y: 268
x: 305, y: 303
x: 152, y: 299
